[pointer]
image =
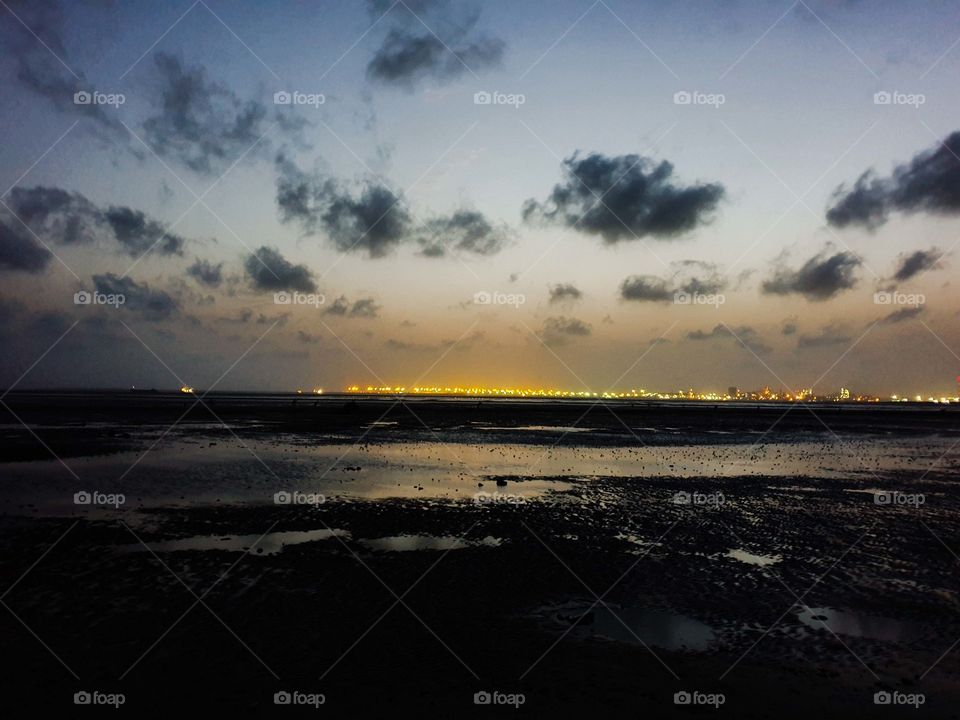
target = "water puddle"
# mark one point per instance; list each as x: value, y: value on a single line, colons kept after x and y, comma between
x: 752, y: 559
x: 407, y: 543
x: 656, y: 628
x: 855, y: 624
x: 269, y: 544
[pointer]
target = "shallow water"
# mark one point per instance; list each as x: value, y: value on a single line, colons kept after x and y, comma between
x: 191, y: 470
x: 856, y: 624
x: 408, y: 543
x: 269, y: 544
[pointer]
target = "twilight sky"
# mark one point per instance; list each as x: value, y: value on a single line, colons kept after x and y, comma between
x: 657, y: 195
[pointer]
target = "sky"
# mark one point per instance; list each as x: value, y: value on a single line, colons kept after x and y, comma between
x: 588, y: 195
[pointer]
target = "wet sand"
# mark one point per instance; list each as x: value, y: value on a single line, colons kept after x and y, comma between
x: 598, y: 571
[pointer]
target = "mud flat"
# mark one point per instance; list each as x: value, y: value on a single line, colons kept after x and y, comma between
x: 795, y: 573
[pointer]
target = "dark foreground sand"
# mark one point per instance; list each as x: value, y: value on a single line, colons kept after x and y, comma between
x: 792, y: 594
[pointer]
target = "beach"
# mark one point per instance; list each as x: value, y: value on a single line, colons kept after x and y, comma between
x: 481, y: 557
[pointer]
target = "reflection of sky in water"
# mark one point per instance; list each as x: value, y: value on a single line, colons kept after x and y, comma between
x: 845, y: 622
x: 269, y: 544
x: 654, y: 627
x: 406, y: 543
x: 194, y: 469
x: 752, y: 559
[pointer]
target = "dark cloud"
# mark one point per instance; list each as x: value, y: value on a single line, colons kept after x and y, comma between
x: 691, y: 277
x: 742, y: 335
x: 69, y: 218
x: 20, y: 251
x: 269, y: 270
x: 365, y: 308
x: 201, y: 123
x: 373, y: 222
x: 49, y: 71
x: 564, y: 292
x: 820, y: 278
x: 646, y: 288
x: 138, y: 297
x: 465, y: 231
x: 902, y: 314
x: 139, y: 234
x: 373, y: 218
x: 929, y: 183
x: 625, y: 197
x: 558, y: 330
x: 912, y: 264
x: 406, y: 57
x: 697, y: 277
x: 828, y: 336
x: 427, y: 39
x: 206, y: 273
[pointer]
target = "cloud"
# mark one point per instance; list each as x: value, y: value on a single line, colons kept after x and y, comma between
x: 138, y: 234
x: 406, y: 57
x: 269, y: 270
x: 691, y: 277
x: 645, y: 288
x: 364, y: 308
x: 206, y: 273
x: 820, y: 278
x: 151, y: 304
x: 427, y: 40
x: 559, y: 330
x: 827, y: 337
x: 742, y: 335
x: 464, y: 230
x: 199, y: 122
x: 625, y: 197
x: 50, y: 72
x: 564, y: 292
x: 900, y: 315
x: 917, y: 262
x: 929, y: 183
x: 69, y: 218
x: 20, y: 251
x: 373, y: 219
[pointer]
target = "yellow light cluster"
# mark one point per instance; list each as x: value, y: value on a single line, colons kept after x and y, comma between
x: 479, y: 391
